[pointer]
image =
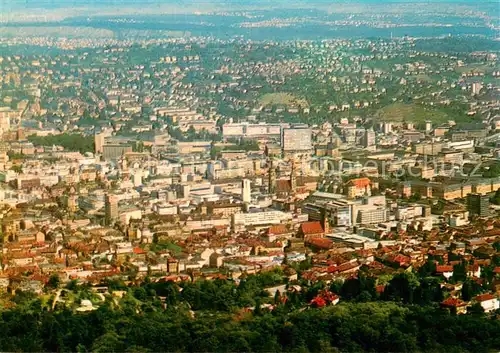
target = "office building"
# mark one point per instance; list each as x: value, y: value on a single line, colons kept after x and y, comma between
x: 476, y: 88
x: 296, y: 139
x: 478, y: 204
x: 111, y: 209
x: 369, y: 138
x: 99, y: 143
x: 115, y: 151
x: 370, y: 215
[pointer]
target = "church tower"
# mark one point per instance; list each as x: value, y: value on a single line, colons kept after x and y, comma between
x: 72, y: 202
x: 293, y: 176
x: 326, y: 223
x: 272, y: 178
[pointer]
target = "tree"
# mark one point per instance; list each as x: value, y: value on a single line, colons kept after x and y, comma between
x: 277, y: 297
x: 470, y: 289
x: 493, y: 171
x: 495, y: 199
x: 54, y: 281
x: 402, y: 287
x: 17, y: 168
x: 108, y: 342
x: 460, y: 272
x: 71, y: 142
x: 415, y: 197
x: 476, y: 309
x: 428, y: 269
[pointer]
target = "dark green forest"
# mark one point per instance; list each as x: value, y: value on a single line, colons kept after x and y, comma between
x: 70, y: 142
x: 210, y: 316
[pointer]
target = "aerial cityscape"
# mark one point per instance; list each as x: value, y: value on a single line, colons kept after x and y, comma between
x: 240, y: 176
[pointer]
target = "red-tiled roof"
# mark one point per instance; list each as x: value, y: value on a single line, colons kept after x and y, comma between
x: 277, y: 229
x: 139, y: 251
x: 343, y: 267
x: 453, y: 302
x: 311, y: 228
x: 444, y: 268
x: 360, y: 182
x: 321, y: 242
x: 484, y: 297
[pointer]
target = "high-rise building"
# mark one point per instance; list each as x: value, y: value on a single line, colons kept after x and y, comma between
x: 111, y: 209
x: 476, y: 88
x: 246, y: 191
x: 296, y: 139
x: 99, y: 142
x: 387, y: 128
x: 478, y: 204
x: 4, y: 123
x: 369, y: 138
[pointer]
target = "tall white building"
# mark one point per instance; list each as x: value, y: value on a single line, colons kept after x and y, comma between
x: 369, y: 138
x: 387, y: 128
x: 476, y: 88
x: 246, y: 191
x: 4, y: 123
x: 99, y: 143
x: 428, y: 126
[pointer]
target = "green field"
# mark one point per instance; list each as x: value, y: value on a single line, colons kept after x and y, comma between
x: 477, y: 67
x: 282, y: 99
x: 410, y: 112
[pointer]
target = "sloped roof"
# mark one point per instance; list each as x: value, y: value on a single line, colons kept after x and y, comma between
x: 311, y: 228
x: 453, y: 302
x: 444, y: 268
x: 359, y: 182
x: 277, y: 229
x: 484, y: 297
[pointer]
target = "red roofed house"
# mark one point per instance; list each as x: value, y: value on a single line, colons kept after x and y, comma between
x: 311, y: 229
x: 278, y: 231
x: 398, y: 260
x: 474, y: 270
x: 455, y: 305
x: 347, y: 267
x: 359, y: 187
x: 444, y: 270
x: 325, y: 297
x: 488, y: 301
x: 319, y: 243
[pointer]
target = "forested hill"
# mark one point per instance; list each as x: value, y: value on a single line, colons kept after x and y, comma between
x: 207, y: 317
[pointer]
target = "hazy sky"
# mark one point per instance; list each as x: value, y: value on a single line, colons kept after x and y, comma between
x: 68, y: 3
x: 10, y: 9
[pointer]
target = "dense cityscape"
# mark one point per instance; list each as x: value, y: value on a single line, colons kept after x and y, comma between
x: 165, y: 190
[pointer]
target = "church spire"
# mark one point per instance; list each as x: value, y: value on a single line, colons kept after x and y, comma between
x: 293, y: 175
x: 272, y: 178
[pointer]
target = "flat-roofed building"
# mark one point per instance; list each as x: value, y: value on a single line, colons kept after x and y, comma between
x: 115, y: 151
x: 296, y: 139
